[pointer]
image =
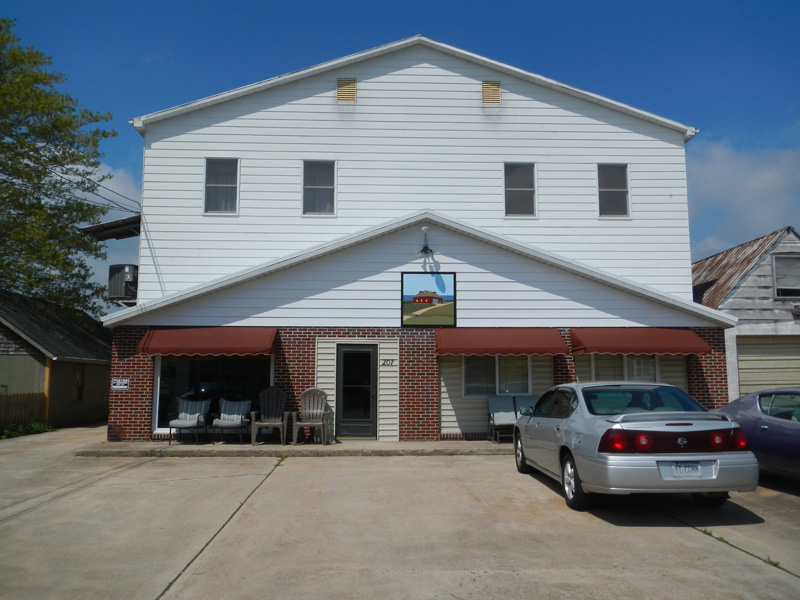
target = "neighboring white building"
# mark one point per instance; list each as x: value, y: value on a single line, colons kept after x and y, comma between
x: 301, y: 215
x: 757, y: 282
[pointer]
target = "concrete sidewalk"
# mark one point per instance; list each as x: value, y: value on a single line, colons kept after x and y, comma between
x: 346, y: 448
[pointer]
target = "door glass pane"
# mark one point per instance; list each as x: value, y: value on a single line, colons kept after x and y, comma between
x: 356, y: 385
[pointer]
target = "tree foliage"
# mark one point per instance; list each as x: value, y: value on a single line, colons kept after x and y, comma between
x: 49, y: 161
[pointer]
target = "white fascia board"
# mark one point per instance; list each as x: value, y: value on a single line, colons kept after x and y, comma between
x: 426, y: 218
x: 140, y: 123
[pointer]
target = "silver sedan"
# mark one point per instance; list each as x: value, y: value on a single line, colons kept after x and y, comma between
x: 625, y: 438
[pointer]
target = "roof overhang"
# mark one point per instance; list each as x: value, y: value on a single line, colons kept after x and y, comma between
x: 141, y: 123
x: 523, y: 341
x: 637, y: 340
x: 115, y: 230
x: 710, y: 315
x: 209, y: 341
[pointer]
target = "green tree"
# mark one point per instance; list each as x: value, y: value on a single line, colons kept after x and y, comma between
x: 49, y: 160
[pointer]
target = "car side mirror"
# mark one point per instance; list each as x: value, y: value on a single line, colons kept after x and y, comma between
x: 526, y: 411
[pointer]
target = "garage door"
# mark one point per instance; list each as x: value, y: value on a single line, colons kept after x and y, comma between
x: 768, y: 362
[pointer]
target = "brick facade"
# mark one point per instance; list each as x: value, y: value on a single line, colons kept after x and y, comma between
x: 130, y: 411
x: 419, y: 403
x: 708, y: 373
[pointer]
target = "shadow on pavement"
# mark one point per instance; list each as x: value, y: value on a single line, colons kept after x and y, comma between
x: 659, y: 510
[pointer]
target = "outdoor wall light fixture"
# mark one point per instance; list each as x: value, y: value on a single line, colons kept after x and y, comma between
x: 426, y: 251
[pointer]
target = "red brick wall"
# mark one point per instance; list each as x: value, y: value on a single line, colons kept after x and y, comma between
x: 130, y: 411
x: 708, y: 373
x: 564, y: 366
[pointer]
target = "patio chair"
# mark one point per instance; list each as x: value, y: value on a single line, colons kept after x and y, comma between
x: 502, y: 417
x: 272, y: 413
x: 313, y: 413
x: 232, y: 416
x: 191, y: 415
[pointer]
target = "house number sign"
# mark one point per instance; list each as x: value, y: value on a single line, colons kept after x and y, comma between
x: 387, y: 362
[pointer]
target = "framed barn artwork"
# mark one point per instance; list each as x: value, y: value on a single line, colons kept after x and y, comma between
x: 429, y: 300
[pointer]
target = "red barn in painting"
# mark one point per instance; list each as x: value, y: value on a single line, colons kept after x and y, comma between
x: 425, y: 297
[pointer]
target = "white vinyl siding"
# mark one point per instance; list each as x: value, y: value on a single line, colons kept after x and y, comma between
x: 418, y: 138
x: 361, y: 286
x: 388, y: 379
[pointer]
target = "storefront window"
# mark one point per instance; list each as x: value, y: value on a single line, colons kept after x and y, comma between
x: 489, y: 375
x: 211, y: 377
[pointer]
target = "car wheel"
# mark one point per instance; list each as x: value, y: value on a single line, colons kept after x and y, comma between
x: 577, y: 499
x: 710, y: 499
x: 519, y: 454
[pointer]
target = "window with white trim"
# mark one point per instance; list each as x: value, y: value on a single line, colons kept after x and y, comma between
x: 612, y: 183
x: 319, y: 187
x: 787, y: 276
x: 490, y: 375
x: 520, y: 189
x: 222, y: 182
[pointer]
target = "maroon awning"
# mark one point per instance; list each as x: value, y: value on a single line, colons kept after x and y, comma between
x: 209, y: 341
x: 637, y: 340
x: 503, y: 341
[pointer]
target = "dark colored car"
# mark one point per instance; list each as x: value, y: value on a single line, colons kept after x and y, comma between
x: 629, y: 438
x: 771, y: 422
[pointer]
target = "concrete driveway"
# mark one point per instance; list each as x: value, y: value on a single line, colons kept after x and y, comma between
x: 365, y: 527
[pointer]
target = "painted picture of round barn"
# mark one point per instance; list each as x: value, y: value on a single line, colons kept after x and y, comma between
x: 429, y: 299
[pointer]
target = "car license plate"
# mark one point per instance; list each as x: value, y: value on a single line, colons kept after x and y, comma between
x: 686, y: 469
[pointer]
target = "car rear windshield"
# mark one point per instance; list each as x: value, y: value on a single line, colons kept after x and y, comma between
x: 617, y: 400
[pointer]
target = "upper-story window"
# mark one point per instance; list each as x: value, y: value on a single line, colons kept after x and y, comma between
x: 319, y: 187
x: 222, y: 176
x: 613, y: 185
x: 520, y: 189
x: 787, y: 276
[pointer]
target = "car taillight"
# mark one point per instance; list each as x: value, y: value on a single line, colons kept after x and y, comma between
x: 613, y: 440
x: 643, y: 442
x: 738, y: 440
x: 718, y: 440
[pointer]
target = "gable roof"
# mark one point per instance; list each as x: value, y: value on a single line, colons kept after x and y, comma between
x: 56, y: 333
x: 419, y: 219
x: 140, y: 123
x: 713, y: 278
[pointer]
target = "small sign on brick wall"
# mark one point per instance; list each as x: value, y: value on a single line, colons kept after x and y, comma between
x: 120, y: 383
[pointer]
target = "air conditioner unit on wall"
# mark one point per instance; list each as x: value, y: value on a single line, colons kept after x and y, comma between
x: 123, y: 281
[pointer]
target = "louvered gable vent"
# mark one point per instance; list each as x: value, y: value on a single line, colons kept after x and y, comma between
x: 491, y: 92
x: 346, y: 90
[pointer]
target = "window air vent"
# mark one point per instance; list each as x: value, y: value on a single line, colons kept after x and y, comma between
x: 491, y: 92
x: 346, y: 90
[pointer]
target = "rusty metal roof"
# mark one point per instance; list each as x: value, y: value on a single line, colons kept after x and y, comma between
x: 713, y: 278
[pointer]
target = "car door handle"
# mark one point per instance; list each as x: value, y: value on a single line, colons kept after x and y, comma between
x: 764, y: 427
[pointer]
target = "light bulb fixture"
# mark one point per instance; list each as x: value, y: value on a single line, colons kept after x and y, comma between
x: 426, y: 251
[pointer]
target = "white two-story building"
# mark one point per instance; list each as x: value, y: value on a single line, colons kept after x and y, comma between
x: 413, y: 228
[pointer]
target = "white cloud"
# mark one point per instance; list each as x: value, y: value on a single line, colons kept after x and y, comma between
x: 738, y: 195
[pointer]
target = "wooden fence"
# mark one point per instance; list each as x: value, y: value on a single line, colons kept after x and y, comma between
x: 22, y: 408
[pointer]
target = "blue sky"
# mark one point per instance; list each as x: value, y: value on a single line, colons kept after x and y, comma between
x: 729, y: 68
